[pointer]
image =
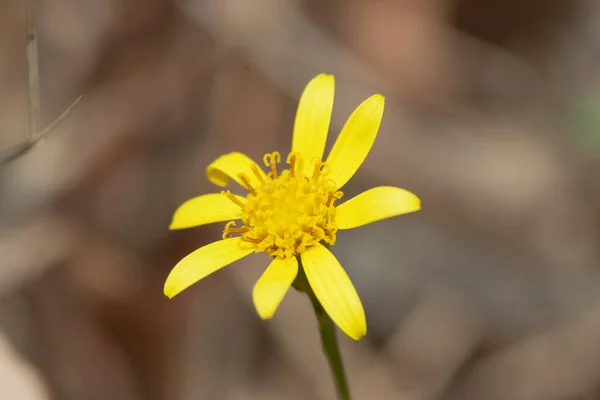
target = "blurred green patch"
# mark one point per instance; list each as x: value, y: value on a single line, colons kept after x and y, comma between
x: 585, y: 124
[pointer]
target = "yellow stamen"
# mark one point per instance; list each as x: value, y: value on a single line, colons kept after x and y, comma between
x: 329, y: 199
x: 228, y: 229
x: 243, y: 229
x: 287, y: 212
x: 257, y: 173
x: 337, y: 196
x: 234, y: 199
x: 271, y: 160
x: 332, y: 197
x: 244, y: 178
x: 253, y: 240
x: 292, y: 160
x: 317, y: 170
x: 314, y: 160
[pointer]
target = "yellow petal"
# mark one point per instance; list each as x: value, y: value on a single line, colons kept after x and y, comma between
x: 202, y: 263
x: 335, y: 291
x: 272, y: 286
x: 205, y: 209
x: 374, y: 205
x: 355, y: 140
x: 312, y: 120
x: 230, y: 166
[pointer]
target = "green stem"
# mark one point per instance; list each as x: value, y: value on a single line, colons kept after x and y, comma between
x: 328, y: 335
x: 331, y: 348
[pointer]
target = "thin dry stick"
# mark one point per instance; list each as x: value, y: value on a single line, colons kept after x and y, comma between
x: 34, y: 76
x: 34, y: 135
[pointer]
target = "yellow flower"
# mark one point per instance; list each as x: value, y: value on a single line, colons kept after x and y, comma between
x: 293, y: 213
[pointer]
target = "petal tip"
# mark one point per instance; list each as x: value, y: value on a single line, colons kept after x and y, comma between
x: 359, y: 333
x: 355, y: 335
x: 177, y: 223
x: 416, y: 203
x: 172, y: 287
x: 216, y: 177
x: 324, y: 77
x: 170, y: 293
x: 265, y: 316
x: 322, y: 82
x: 264, y: 312
x: 378, y: 99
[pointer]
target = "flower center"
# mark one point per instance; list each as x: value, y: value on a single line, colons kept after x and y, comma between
x: 288, y: 212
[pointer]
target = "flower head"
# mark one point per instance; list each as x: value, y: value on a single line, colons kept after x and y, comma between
x: 292, y: 214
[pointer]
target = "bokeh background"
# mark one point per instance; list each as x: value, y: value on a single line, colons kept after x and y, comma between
x: 492, y: 292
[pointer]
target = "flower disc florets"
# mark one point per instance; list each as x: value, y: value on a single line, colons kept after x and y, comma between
x: 288, y: 212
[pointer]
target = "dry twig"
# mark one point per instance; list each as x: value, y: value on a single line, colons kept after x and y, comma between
x: 34, y: 136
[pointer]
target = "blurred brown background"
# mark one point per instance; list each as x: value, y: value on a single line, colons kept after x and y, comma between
x: 492, y: 117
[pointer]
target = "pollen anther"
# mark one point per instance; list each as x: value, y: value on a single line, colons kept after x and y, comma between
x: 244, y: 178
x: 228, y: 229
x: 256, y: 172
x: 231, y: 197
x: 292, y: 159
x: 289, y: 212
x: 271, y: 160
x: 329, y: 199
x: 252, y: 240
x: 333, y: 196
x: 320, y: 168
